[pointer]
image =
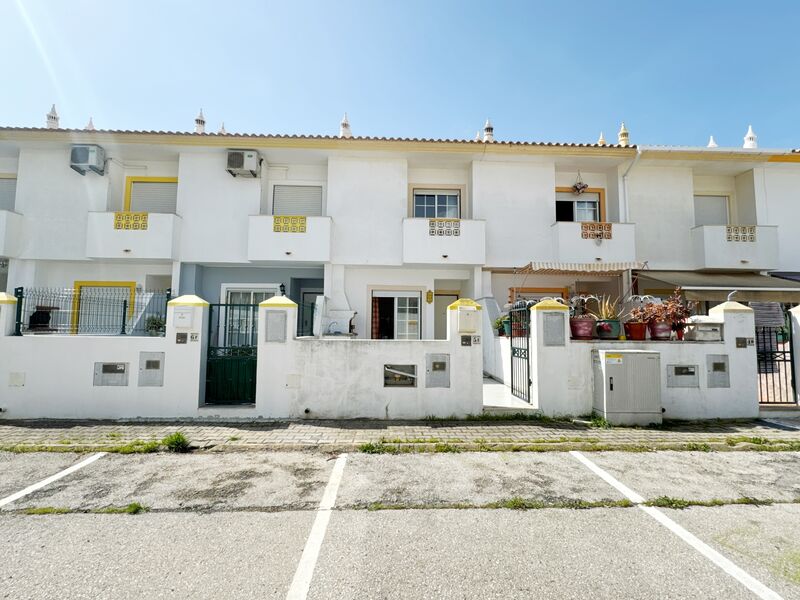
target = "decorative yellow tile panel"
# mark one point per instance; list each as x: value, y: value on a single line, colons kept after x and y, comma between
x: 289, y: 224
x: 740, y: 233
x: 134, y: 221
x: 444, y: 227
x: 596, y: 231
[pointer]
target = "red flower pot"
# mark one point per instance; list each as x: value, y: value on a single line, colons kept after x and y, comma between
x: 581, y: 329
x: 636, y: 331
x: 660, y: 330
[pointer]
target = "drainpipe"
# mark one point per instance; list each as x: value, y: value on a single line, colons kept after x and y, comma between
x: 626, y: 213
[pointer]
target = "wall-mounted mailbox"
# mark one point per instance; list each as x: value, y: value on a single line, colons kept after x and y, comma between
x: 110, y: 374
x: 183, y: 317
x: 151, y: 369
x: 468, y: 320
x: 717, y: 372
x: 683, y: 376
x: 437, y: 370
x: 553, y: 329
x: 399, y: 375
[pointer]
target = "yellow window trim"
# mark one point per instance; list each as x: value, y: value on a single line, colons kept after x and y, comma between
x: 600, y: 191
x: 129, y: 181
x: 552, y: 291
x: 76, y: 298
x: 8, y: 175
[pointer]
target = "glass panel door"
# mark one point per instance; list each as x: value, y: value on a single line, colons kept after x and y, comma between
x: 406, y: 321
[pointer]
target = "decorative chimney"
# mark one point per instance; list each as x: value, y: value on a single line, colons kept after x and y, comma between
x: 750, y: 139
x: 222, y: 129
x: 601, y: 141
x: 89, y: 125
x: 200, y: 123
x: 52, y: 118
x: 712, y: 143
x: 478, y: 137
x: 623, y: 138
x: 344, y: 128
x: 488, y: 131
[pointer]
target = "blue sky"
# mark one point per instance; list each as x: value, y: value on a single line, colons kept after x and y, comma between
x: 674, y: 71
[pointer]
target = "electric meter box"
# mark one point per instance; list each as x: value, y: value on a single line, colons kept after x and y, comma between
x: 469, y: 319
x: 437, y: 370
x: 627, y: 386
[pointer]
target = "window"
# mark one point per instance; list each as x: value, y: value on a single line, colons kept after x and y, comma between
x: 396, y: 315
x: 437, y: 204
x: 300, y: 200
x: 587, y: 206
x: 710, y: 210
x: 238, y: 319
x: 8, y: 191
x: 151, y: 194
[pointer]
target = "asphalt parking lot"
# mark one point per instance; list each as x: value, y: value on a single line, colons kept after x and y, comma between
x: 463, y: 525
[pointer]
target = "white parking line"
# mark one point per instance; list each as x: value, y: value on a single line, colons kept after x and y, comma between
x: 37, y: 486
x: 308, y: 561
x: 747, y: 580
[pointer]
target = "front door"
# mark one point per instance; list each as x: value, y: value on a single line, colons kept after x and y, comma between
x: 396, y: 315
x: 440, y: 304
x: 308, y: 304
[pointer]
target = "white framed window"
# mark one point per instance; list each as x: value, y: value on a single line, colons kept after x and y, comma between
x: 711, y: 210
x: 301, y: 200
x: 578, y: 207
x: 238, y: 320
x: 8, y: 192
x: 437, y: 204
x: 396, y: 315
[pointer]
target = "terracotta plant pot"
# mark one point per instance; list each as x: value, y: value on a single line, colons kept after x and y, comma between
x: 660, y: 330
x: 636, y: 331
x: 581, y: 329
x: 608, y: 329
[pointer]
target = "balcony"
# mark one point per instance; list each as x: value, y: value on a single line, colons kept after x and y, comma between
x: 746, y: 247
x: 133, y: 236
x: 575, y: 242
x: 289, y: 239
x: 444, y: 242
x: 10, y: 233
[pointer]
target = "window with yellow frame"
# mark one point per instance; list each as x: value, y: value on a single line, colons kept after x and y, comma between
x: 588, y: 206
x: 151, y: 194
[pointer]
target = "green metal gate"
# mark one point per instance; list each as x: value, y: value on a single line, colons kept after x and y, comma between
x: 232, y: 354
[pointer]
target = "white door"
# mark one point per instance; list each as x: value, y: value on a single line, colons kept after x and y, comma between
x: 440, y: 304
x: 406, y: 321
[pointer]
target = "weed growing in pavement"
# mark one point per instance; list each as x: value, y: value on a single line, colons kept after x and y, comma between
x: 681, y: 503
x: 134, y: 508
x: 114, y: 435
x: 599, y: 422
x: 136, y: 447
x: 376, y: 448
x: 234, y: 438
x: 698, y: 446
x: 47, y: 510
x: 515, y: 503
x: 176, y: 442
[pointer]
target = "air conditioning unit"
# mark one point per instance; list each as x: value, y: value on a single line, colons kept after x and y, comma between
x: 88, y: 157
x: 244, y: 163
x: 627, y: 386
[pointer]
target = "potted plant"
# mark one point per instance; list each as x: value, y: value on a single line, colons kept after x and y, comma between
x: 607, y: 316
x: 662, y: 319
x: 581, y: 321
x: 636, y: 325
x: 679, y: 310
x: 503, y: 325
x: 155, y: 325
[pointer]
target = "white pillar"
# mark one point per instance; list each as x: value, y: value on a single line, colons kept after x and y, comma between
x: 464, y: 320
x: 739, y: 329
x: 278, y: 393
x: 794, y: 313
x: 549, y: 357
x: 187, y: 342
x: 8, y: 313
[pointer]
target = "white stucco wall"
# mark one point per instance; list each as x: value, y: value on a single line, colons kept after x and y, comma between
x: 342, y: 378
x: 215, y: 208
x: 783, y: 209
x: 517, y: 201
x: 368, y: 199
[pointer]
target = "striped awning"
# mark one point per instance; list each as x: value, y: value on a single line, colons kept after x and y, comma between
x: 599, y: 267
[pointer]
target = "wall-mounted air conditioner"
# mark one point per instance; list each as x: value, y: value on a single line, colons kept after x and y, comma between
x: 87, y: 157
x: 244, y: 163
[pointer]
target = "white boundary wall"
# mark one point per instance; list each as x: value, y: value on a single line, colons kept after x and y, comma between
x: 563, y: 380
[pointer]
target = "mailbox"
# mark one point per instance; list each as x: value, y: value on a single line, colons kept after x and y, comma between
x: 717, y: 372
x: 437, y: 370
x: 683, y: 376
x: 110, y: 374
x: 469, y: 319
x: 151, y: 369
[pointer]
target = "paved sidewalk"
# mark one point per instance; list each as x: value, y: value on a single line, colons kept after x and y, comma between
x: 330, y: 435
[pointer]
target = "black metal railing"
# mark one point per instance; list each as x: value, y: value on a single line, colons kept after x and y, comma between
x: 520, y: 316
x: 232, y: 326
x: 91, y: 310
x: 776, y: 376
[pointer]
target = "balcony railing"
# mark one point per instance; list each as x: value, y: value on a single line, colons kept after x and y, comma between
x: 289, y: 238
x: 133, y: 235
x: 444, y: 241
x: 576, y: 242
x: 746, y: 247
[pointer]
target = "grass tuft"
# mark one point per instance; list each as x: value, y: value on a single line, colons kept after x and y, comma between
x: 134, y: 508
x: 47, y: 510
x: 176, y: 442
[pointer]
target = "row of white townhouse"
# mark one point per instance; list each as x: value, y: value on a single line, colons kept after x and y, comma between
x: 392, y: 231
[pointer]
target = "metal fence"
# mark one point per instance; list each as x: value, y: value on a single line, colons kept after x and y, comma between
x: 91, y: 310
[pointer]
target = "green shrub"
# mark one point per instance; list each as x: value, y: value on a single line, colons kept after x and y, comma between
x: 176, y: 442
